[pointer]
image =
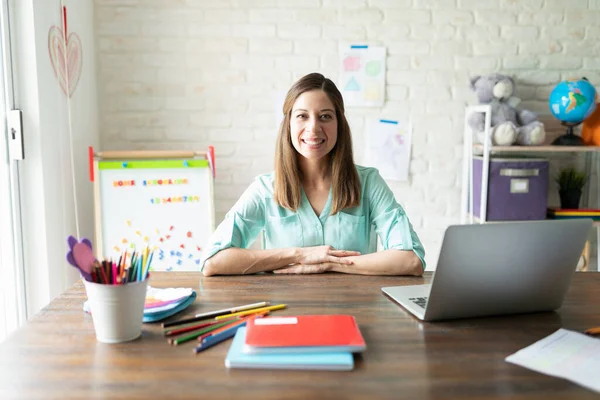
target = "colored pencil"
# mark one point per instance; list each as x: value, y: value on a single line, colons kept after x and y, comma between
x: 233, y: 309
x: 206, y: 321
x: 218, y: 338
x: 257, y: 310
x: 195, y: 334
x: 132, y: 264
x: 148, y: 265
x: 211, y: 314
x: 224, y: 333
x: 121, y: 267
x: 179, y: 331
x: 118, y: 272
x: 103, y: 272
x: 234, y: 322
x: 192, y: 327
x: 107, y: 272
x: 129, y: 267
x: 139, y: 269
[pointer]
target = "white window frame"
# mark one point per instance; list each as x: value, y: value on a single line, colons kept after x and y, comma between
x: 13, y: 308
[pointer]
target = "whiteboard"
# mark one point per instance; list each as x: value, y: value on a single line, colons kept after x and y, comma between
x: 166, y: 205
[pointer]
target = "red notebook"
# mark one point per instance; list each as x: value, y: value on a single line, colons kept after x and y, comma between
x: 305, y: 334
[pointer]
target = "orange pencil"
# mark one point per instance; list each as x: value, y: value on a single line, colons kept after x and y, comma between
x: 122, y: 266
x: 232, y: 324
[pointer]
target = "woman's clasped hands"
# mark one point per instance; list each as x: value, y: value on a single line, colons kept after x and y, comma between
x: 317, y: 260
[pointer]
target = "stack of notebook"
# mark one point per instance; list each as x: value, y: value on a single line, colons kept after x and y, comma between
x: 317, y: 342
x: 567, y: 213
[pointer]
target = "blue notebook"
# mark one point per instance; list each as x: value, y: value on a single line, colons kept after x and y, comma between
x: 236, y: 358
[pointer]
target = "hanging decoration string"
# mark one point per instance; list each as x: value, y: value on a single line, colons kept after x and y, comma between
x: 70, y: 124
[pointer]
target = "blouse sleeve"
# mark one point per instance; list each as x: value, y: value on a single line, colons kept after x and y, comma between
x: 391, y: 222
x: 241, y: 225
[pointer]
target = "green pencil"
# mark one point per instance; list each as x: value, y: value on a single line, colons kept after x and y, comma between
x: 195, y: 334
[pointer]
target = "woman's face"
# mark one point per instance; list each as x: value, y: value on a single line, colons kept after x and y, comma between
x: 313, y: 124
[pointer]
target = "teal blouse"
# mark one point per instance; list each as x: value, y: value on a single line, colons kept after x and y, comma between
x: 354, y: 228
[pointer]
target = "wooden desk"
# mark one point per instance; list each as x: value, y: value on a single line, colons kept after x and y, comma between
x: 56, y: 355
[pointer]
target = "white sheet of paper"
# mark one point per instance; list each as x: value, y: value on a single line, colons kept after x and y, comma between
x: 362, y: 75
x: 564, y: 354
x: 388, y: 148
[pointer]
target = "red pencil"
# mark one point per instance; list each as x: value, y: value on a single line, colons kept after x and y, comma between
x: 194, y: 327
x: 189, y: 328
x: 103, y: 272
x: 96, y: 271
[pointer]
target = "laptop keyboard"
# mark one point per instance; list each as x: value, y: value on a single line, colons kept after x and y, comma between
x: 420, y: 301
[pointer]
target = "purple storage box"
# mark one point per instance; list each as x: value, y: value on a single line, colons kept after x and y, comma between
x: 517, y: 188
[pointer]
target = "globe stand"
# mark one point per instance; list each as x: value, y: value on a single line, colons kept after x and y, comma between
x: 569, y: 139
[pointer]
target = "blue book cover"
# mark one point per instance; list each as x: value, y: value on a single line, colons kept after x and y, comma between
x: 236, y: 358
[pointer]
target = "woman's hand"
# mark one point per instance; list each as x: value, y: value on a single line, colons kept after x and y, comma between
x: 306, y: 268
x: 324, y: 254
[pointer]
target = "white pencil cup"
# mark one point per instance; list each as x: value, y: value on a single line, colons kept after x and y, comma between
x: 117, y: 310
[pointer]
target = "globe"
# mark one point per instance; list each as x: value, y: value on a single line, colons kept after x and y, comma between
x: 572, y: 101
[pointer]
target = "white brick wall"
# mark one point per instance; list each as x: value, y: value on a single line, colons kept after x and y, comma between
x: 191, y: 73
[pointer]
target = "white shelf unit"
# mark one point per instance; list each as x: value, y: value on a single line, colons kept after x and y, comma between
x: 592, y: 163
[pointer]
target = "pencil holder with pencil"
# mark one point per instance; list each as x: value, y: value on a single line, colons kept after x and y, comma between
x: 116, y: 290
x: 117, y: 310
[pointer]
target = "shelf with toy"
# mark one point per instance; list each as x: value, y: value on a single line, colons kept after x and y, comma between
x: 497, y: 127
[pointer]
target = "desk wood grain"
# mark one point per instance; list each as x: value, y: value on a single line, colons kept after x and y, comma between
x: 56, y: 355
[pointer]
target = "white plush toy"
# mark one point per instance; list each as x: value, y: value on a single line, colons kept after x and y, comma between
x: 509, y: 125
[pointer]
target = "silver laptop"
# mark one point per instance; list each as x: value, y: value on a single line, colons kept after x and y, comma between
x: 498, y: 268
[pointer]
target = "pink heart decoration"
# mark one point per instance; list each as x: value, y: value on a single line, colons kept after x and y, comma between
x: 68, y: 75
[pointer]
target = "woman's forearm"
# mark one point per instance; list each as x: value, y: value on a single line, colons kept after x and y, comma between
x: 387, y: 262
x: 236, y: 261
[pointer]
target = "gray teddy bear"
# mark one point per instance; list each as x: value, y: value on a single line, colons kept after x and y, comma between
x: 509, y: 126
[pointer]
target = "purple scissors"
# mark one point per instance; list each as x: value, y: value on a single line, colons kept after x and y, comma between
x: 81, y: 256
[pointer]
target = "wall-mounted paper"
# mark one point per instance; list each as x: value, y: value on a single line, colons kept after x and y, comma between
x: 362, y: 75
x: 388, y: 148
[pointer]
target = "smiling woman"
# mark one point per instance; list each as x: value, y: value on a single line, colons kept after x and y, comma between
x: 319, y: 211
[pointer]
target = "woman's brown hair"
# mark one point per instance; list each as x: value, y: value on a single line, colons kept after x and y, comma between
x: 288, y: 177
